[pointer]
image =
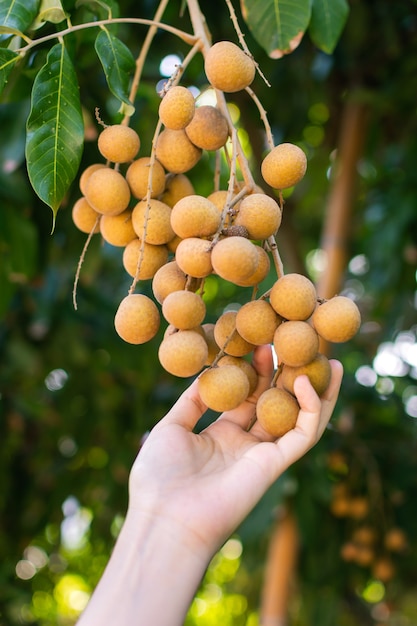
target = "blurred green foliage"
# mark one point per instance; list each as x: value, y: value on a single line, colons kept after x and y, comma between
x: 75, y: 401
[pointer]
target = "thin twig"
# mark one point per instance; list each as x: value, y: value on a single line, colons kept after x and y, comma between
x: 81, y: 261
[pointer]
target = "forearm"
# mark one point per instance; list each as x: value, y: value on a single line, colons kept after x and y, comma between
x: 151, y: 577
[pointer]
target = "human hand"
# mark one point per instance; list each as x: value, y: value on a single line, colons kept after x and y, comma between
x: 205, y: 484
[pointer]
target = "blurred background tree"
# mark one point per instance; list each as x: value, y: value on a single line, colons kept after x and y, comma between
x: 75, y: 401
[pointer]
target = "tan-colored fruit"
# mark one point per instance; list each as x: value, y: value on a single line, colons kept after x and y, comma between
x: 234, y: 259
x: 261, y: 272
x: 384, y: 569
x: 176, y: 152
x: 213, y: 348
x: 223, y: 388
x: 152, y: 222
x: 183, y: 353
x: 245, y: 366
x: 168, y: 278
x: 140, y: 174
x: 219, y: 198
x: 193, y: 256
x: 184, y: 309
x: 86, y: 175
x: 176, y: 109
x: 117, y: 230
x: 395, y: 540
x: 256, y: 322
x: 293, y: 296
x: 318, y: 371
x: 153, y: 258
x: 296, y: 343
x: 85, y: 217
x: 260, y: 215
x: 177, y: 186
x: 208, y: 129
x: 171, y: 329
x: 337, y: 320
x: 227, y: 336
x: 284, y: 166
x: 107, y: 191
x: 359, y: 507
x: 195, y: 216
x: 228, y: 68
x: 137, y: 319
x: 277, y: 411
x: 118, y: 143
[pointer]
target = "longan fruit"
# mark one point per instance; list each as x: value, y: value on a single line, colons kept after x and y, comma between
x: 213, y: 348
x: 219, y: 198
x: 177, y: 186
x: 383, y: 569
x: 107, y: 191
x: 137, y: 319
x: 284, y: 166
x: 193, y: 256
x: 227, y: 336
x: 318, y: 371
x: 293, y: 296
x: 277, y: 411
x: 296, y: 343
x: 261, y: 272
x: 194, y: 216
x: 228, y: 68
x: 176, y: 109
x: 245, y: 366
x: 118, y: 143
x: 223, y: 388
x: 337, y: 320
x: 256, y: 322
x: 234, y: 258
x: 395, y: 540
x: 85, y: 217
x: 152, y: 221
x: 208, y: 129
x: 183, y: 353
x: 117, y: 230
x: 153, y: 258
x: 168, y: 278
x: 184, y: 309
x: 86, y: 175
x: 260, y: 215
x: 137, y: 176
x: 176, y: 152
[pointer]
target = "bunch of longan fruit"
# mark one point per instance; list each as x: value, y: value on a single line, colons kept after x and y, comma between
x: 177, y: 238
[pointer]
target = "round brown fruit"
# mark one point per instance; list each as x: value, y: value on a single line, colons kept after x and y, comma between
x: 184, y: 309
x: 85, y: 217
x: 260, y: 215
x: 176, y: 109
x: 213, y: 348
x: 318, y: 371
x: 137, y: 319
x: 183, y: 353
x: 256, y: 322
x: 153, y: 257
x: 117, y: 230
x: 86, y: 175
x: 152, y: 221
x: 277, y: 411
x: 177, y: 186
x: 208, y: 129
x: 296, y: 343
x: 223, y: 388
x: 168, y: 278
x: 284, y: 166
x: 228, y: 338
x: 193, y: 256
x: 293, y: 296
x: 176, y: 152
x: 228, y: 68
x: 107, y: 191
x: 194, y: 216
x: 337, y: 320
x: 118, y: 143
x: 140, y: 174
x: 261, y: 272
x: 234, y: 259
x: 245, y: 366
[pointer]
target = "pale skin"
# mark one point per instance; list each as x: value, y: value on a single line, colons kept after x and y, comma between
x: 188, y: 492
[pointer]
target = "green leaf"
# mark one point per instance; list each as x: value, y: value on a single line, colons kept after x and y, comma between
x: 328, y: 18
x: 18, y: 13
x: 7, y: 60
x: 118, y: 65
x: 55, y: 129
x: 277, y: 25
